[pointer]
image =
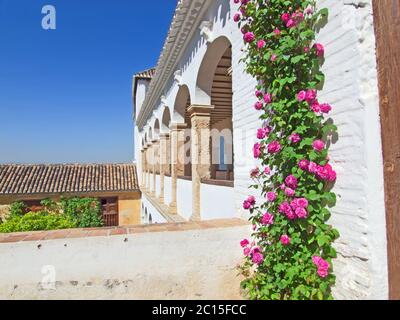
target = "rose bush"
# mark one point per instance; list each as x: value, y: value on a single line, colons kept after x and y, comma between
x: 290, y: 256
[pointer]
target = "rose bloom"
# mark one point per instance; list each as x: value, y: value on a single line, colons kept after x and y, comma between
x: 254, y: 173
x: 315, y: 106
x: 236, y: 17
x: 249, y: 37
x: 267, y: 170
x: 258, y: 94
x: 285, y: 17
x: 261, y: 44
x: 302, y: 202
x: 267, y: 219
x: 320, y: 50
x: 295, y: 138
x: 262, y: 133
x: 290, y: 192
x: 271, y: 196
x: 303, y: 164
x: 312, y: 167
x: 258, y: 105
x: 258, y: 258
x: 291, y: 181
x: 325, y: 107
x: 247, y: 252
x: 301, y: 213
x: 267, y: 98
x: 274, y: 147
x: 274, y: 57
x: 285, y: 240
x: 277, y: 32
x: 301, y: 96
x: 318, y: 145
x: 244, y: 243
x: 257, y: 150
x: 311, y: 95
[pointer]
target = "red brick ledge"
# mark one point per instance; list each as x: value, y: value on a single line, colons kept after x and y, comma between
x: 126, y: 230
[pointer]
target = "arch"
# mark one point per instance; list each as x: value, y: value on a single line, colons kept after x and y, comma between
x: 156, y: 129
x: 182, y: 102
x: 208, y: 68
x: 165, y: 120
x: 150, y: 219
x: 150, y: 135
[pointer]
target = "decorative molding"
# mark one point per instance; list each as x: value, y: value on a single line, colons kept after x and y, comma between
x: 206, y: 31
x: 178, y: 77
x: 187, y: 17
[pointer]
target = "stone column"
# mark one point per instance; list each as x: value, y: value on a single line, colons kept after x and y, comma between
x: 164, y: 162
x: 154, y: 165
x: 201, y: 152
x: 148, y: 166
x: 143, y: 168
x: 177, y: 131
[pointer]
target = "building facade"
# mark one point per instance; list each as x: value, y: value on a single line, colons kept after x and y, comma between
x: 195, y: 129
x: 114, y: 185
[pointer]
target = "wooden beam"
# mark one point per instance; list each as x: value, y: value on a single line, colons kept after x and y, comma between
x: 387, y: 31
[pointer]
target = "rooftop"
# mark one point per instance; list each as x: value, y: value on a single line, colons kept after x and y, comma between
x: 18, y: 179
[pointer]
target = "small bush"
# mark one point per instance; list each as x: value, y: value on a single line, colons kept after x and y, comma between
x: 85, y: 211
x: 37, y: 221
x: 17, y: 209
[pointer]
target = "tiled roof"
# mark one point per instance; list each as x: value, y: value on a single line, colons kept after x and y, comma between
x: 147, y: 74
x: 67, y: 178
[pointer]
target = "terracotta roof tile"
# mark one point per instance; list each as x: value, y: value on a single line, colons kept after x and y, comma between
x: 63, y: 178
x: 146, y: 74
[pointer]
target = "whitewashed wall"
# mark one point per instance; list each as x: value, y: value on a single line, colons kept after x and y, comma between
x: 217, y: 202
x: 155, y: 214
x: 351, y: 87
x: 184, y: 198
x: 167, y: 190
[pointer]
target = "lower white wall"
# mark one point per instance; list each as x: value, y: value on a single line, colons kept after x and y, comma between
x: 158, y: 185
x: 195, y: 264
x: 155, y: 214
x: 184, y: 198
x: 167, y: 190
x: 217, y: 202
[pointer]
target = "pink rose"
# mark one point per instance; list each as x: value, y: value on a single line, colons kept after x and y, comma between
x: 257, y: 150
x: 267, y: 98
x: 290, y: 192
x: 320, y: 50
x: 267, y: 170
x: 285, y: 17
x: 274, y: 57
x: 291, y: 23
x: 303, y: 164
x: 315, y: 106
x: 325, y: 107
x: 258, y: 258
x: 262, y: 133
x: 284, y: 207
x: 261, y: 44
x: 244, y: 243
x: 295, y: 138
x: 291, y: 181
x: 271, y: 196
x: 301, y: 96
x: 249, y: 37
x: 236, y: 17
x: 302, y: 202
x: 249, y: 202
x: 285, y: 240
x: 258, y: 94
x: 267, y: 219
x: 323, y: 273
x: 301, y: 213
x: 318, y: 145
x: 312, y: 167
x: 258, y: 105
x: 274, y: 147
x: 277, y: 32
x: 247, y: 252
x: 311, y: 95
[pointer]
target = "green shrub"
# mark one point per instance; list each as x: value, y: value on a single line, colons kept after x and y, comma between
x: 85, y: 211
x: 17, y: 209
x: 37, y: 221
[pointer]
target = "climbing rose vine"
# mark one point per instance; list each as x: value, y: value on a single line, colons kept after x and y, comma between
x: 290, y: 255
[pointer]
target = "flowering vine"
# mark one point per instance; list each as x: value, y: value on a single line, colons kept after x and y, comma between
x: 291, y: 254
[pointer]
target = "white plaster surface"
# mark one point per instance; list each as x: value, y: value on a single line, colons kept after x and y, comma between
x: 217, y: 202
x: 140, y: 266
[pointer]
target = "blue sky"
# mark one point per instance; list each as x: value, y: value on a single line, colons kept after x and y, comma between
x: 65, y: 94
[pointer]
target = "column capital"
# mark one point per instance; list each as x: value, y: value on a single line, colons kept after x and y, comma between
x: 200, y: 110
x: 177, y: 126
x: 155, y: 141
x: 164, y: 136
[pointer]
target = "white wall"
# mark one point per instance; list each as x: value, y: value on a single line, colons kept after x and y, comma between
x: 167, y: 190
x: 158, y: 185
x: 152, y: 265
x: 217, y: 202
x: 184, y: 198
x: 156, y: 215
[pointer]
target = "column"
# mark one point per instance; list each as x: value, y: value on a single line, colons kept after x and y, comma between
x: 177, y: 131
x: 164, y: 162
x: 200, y: 116
x: 154, y: 164
x: 143, y: 168
x: 148, y: 166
